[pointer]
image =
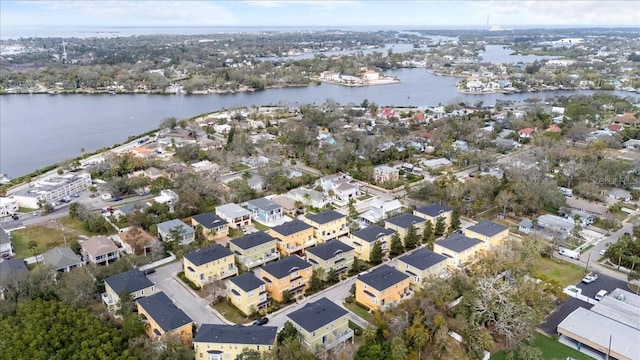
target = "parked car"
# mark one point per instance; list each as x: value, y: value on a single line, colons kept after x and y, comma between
x: 601, y: 294
x: 75, y: 195
x: 149, y: 271
x: 602, y: 252
x: 15, y: 217
x: 591, y: 277
x: 261, y: 321
x: 35, y: 213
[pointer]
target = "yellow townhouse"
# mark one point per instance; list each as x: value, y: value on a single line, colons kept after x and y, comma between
x: 334, y: 254
x: 213, y: 226
x: 322, y: 323
x: 247, y: 293
x: 382, y: 288
x: 328, y: 225
x: 459, y: 248
x: 164, y: 319
x: 401, y: 224
x: 226, y: 342
x: 132, y: 282
x: 421, y: 264
x: 254, y: 249
x: 293, y: 236
x: 290, y: 274
x: 433, y: 212
x: 209, y: 264
x: 364, y: 240
x: 491, y: 233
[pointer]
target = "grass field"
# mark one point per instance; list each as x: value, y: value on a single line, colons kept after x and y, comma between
x: 551, y: 350
x: 364, y: 314
x: 45, y: 236
x: 565, y: 273
x: 230, y: 312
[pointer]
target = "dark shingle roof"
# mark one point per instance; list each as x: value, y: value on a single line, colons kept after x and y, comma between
x: 12, y: 270
x: 128, y: 282
x: 252, y: 240
x: 422, y: 258
x: 372, y: 233
x: 317, y: 314
x: 247, y: 281
x: 207, y: 255
x: 325, y: 217
x: 285, y: 266
x: 236, y: 334
x: 209, y: 220
x: 433, y: 210
x: 405, y: 220
x: 130, y: 208
x: 458, y: 242
x: 162, y: 310
x: 291, y: 227
x: 264, y: 204
x: 487, y: 228
x: 383, y: 277
x: 329, y: 249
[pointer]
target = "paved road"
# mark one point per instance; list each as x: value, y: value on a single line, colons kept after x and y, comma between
x: 604, y: 282
x: 550, y: 326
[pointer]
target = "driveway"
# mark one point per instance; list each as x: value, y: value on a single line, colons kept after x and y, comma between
x: 604, y: 282
x: 550, y: 326
x: 195, y: 307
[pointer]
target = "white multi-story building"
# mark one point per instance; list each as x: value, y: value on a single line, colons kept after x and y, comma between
x: 52, y: 189
x: 8, y: 206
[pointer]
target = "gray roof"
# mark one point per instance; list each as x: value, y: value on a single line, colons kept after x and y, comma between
x: 285, y: 266
x: 164, y: 312
x: 423, y: 258
x: 236, y: 334
x: 130, y: 208
x: 317, y: 314
x: 166, y: 226
x: 232, y: 210
x: 12, y: 270
x: 433, y: 210
x: 325, y: 217
x: 207, y: 255
x: 291, y: 227
x: 209, y: 220
x: 128, y: 282
x: 264, y: 204
x: 247, y: 281
x: 458, y: 242
x: 329, y: 249
x: 526, y: 223
x: 487, y: 228
x: 405, y: 220
x: 5, y: 238
x: 372, y: 233
x: 383, y: 277
x: 252, y: 240
x: 61, y: 257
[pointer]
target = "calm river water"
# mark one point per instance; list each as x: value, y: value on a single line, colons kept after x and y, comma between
x: 39, y: 130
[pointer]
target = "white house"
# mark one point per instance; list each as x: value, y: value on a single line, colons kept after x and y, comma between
x: 619, y: 194
x: 8, y: 206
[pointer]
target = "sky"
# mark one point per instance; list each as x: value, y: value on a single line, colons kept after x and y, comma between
x: 320, y: 13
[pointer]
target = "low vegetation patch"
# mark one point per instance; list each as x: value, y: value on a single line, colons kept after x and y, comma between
x: 231, y: 312
x: 359, y: 310
x: 561, y: 271
x: 37, y: 239
x: 551, y: 350
x: 187, y: 281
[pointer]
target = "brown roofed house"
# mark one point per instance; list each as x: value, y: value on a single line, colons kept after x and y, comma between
x: 99, y: 250
x: 136, y: 241
x: 626, y: 119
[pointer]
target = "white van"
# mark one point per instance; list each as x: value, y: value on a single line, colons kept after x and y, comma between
x: 569, y: 253
x: 601, y: 294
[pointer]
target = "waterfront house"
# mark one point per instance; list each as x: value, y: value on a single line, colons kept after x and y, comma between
x: 293, y: 236
x: 328, y: 225
x: 421, y: 264
x: 265, y: 210
x: 382, y: 288
x: 176, y: 230
x: 401, y: 223
x: 332, y: 255
x: 459, y: 248
x: 290, y: 274
x: 209, y: 264
x: 163, y: 319
x: 221, y: 342
x: 254, y: 249
x: 234, y: 214
x: 247, y: 293
x: 364, y: 240
x: 62, y: 259
x: 213, y: 226
x: 99, y: 250
x: 132, y: 282
x: 491, y: 233
x: 433, y: 212
x: 322, y: 323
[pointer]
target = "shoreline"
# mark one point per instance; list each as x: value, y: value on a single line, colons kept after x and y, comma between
x: 377, y: 83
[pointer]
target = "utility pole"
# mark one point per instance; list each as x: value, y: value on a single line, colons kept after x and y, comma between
x: 588, y: 258
x: 609, y: 348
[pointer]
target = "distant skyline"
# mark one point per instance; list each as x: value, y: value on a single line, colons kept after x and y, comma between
x: 15, y: 15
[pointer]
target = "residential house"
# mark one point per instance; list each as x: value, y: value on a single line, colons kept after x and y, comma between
x: 328, y: 225
x: 8, y: 206
x: 265, y: 210
x: 131, y: 208
x: 176, y: 230
x: 506, y: 144
x: 345, y: 192
x: 401, y: 223
x: 632, y: 144
x: 308, y: 197
x: 382, y: 287
x: 554, y: 128
x: 12, y: 273
x: 333, y: 254
x: 556, y: 225
x: 221, y: 342
x: 626, y: 119
x: 364, y: 240
x: 168, y: 197
x: 434, y: 212
x: 163, y: 318
x: 421, y: 264
x: 132, y: 282
x: 491, y: 233
x: 235, y: 215
x: 526, y: 226
x: 287, y: 203
x: 380, y: 210
x: 385, y: 174
x: 254, y: 249
x: 619, y: 194
x: 209, y: 264
x: 526, y: 133
x: 459, y: 248
x: 62, y: 259
x: 293, y: 236
x: 322, y: 323
x: 247, y: 293
x: 135, y: 241
x: 290, y: 274
x: 213, y: 226
x: 99, y: 250
x: 6, y: 248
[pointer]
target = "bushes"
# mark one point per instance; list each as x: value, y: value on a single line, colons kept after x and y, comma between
x: 184, y: 279
x: 365, y: 307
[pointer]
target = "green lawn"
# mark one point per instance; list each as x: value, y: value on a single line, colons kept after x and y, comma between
x: 260, y: 226
x: 551, y: 350
x: 230, y: 312
x: 46, y: 237
x: 364, y: 314
x: 565, y: 273
x: 239, y: 167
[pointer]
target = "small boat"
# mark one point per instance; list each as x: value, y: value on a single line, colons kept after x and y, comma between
x: 53, y: 92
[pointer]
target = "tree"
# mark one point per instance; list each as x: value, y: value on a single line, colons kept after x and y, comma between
x: 411, y: 239
x: 169, y: 123
x: 332, y: 276
x: 355, y: 267
x: 417, y: 334
x: 45, y: 206
x: 288, y: 332
x: 505, y: 200
x: 230, y: 136
x: 398, y: 349
x: 316, y: 280
x: 250, y: 354
x: 440, y: 226
x: 427, y: 233
x: 370, y: 351
x: 174, y: 238
x: 455, y: 220
x: 577, y: 132
x: 76, y: 288
x: 396, y: 246
x: 376, y: 254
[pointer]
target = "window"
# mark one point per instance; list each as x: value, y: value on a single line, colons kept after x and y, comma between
x: 417, y: 278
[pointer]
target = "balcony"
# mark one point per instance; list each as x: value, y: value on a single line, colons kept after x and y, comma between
x: 289, y: 248
x: 257, y: 262
x: 334, y: 340
x: 108, y: 300
x: 227, y: 273
x: 309, y: 243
